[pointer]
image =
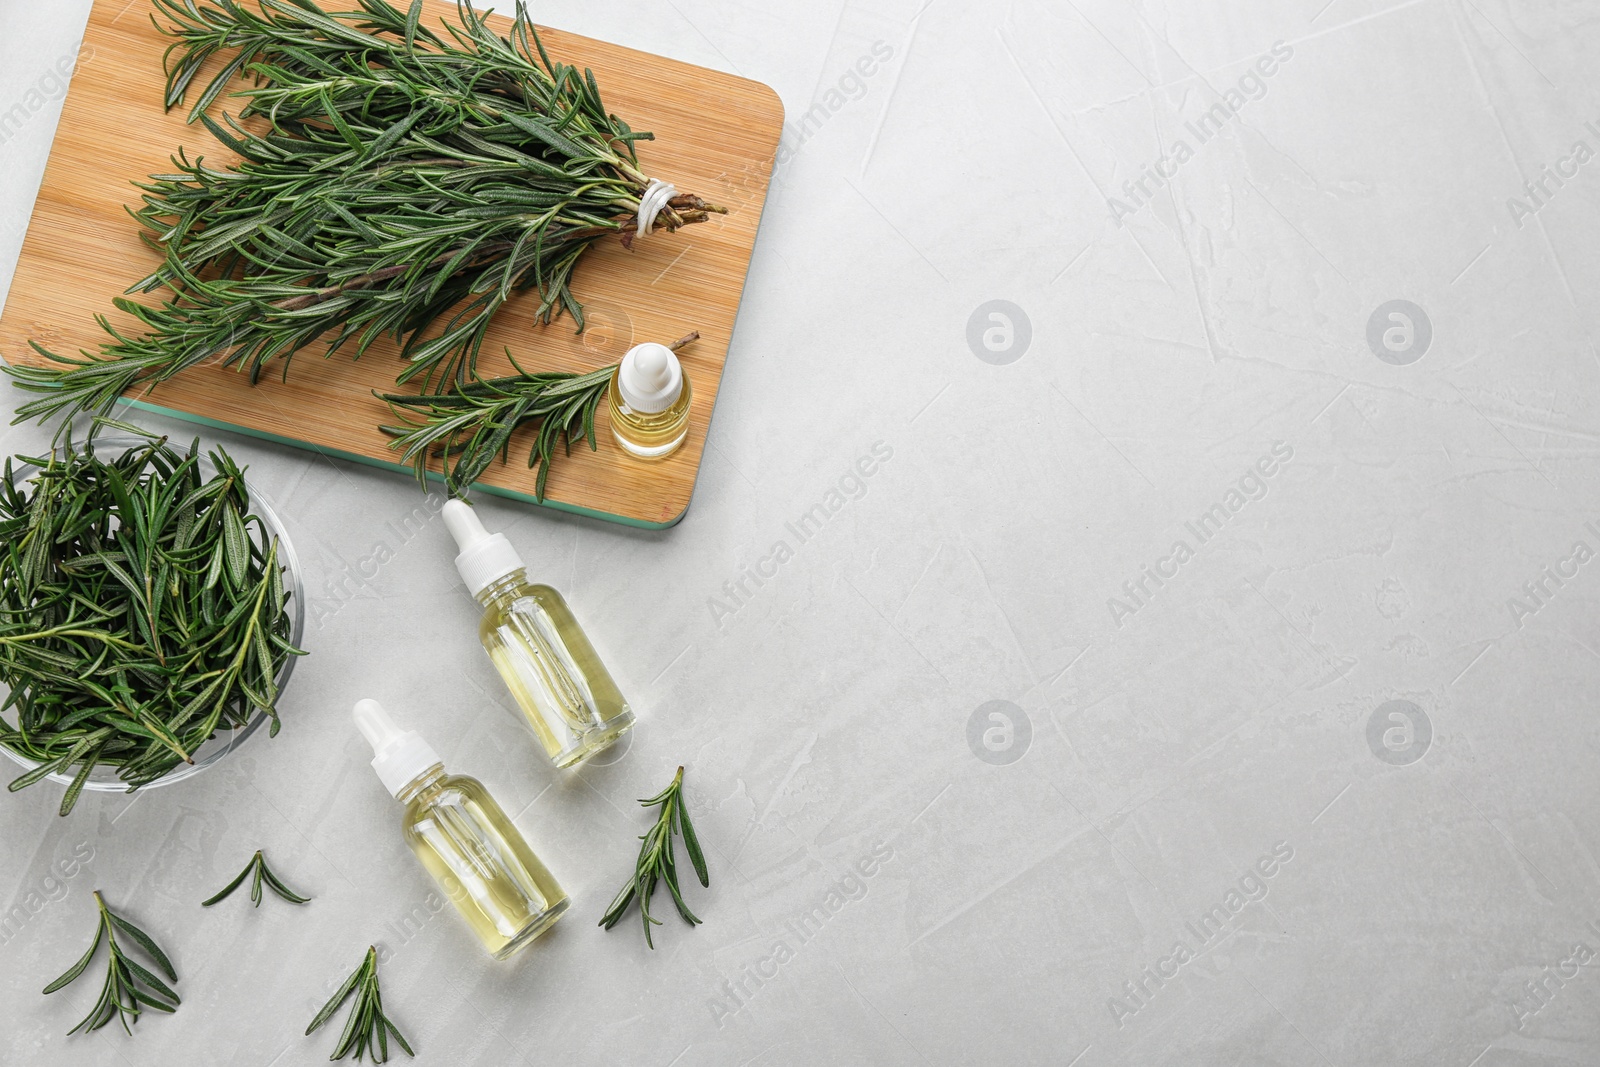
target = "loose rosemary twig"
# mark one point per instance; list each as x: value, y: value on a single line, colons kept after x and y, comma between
x: 658, y: 864
x: 263, y: 873
x: 368, y: 1028
x: 474, y: 422
x: 395, y: 179
x: 129, y: 988
x: 142, y: 609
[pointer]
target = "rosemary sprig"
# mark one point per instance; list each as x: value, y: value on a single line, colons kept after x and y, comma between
x: 263, y: 873
x: 129, y: 988
x: 474, y: 422
x: 142, y: 610
x: 657, y: 862
x: 394, y: 179
x: 368, y: 1028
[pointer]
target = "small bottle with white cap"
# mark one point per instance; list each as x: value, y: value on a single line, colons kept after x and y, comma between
x: 535, y: 642
x: 464, y: 839
x: 649, y: 400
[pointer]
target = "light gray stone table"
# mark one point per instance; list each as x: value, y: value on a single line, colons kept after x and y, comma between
x: 1315, y: 788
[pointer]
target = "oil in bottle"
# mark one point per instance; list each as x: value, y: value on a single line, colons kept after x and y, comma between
x: 564, y: 690
x: 649, y: 402
x: 463, y: 839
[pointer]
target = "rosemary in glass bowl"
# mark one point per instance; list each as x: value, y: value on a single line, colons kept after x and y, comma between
x: 150, y: 613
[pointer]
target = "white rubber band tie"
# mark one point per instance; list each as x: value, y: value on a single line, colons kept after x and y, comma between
x: 655, y: 197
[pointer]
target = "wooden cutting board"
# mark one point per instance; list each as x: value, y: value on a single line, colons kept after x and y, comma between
x: 716, y: 136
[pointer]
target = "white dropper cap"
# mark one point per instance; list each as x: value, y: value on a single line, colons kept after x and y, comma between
x: 485, y: 557
x: 399, y: 756
x: 651, y: 378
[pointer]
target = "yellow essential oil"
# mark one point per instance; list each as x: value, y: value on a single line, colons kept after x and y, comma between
x: 556, y: 676
x: 545, y: 659
x: 475, y: 853
x: 464, y: 839
x: 649, y: 402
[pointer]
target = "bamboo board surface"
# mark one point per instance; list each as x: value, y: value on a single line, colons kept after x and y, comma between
x: 716, y: 136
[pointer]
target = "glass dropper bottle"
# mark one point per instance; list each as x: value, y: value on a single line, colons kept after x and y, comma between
x: 464, y: 839
x: 649, y: 401
x: 553, y: 671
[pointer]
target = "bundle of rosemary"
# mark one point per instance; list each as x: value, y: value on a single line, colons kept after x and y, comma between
x: 142, y: 610
x: 391, y: 180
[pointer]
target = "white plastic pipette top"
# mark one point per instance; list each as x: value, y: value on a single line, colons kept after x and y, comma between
x: 651, y: 378
x: 398, y: 755
x: 485, y: 557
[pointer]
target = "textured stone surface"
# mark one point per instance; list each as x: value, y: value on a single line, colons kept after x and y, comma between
x: 1335, y: 685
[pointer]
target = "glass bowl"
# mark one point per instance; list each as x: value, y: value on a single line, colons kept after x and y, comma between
x: 104, y: 779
